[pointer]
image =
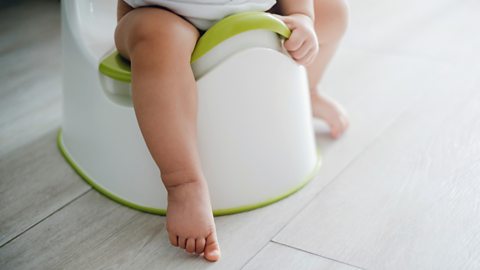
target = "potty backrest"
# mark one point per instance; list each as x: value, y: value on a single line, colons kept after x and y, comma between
x: 92, y: 23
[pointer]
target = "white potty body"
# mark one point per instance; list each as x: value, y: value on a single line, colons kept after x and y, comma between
x: 255, y: 136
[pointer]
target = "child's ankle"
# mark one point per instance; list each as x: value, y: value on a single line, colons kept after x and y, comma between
x: 175, y: 179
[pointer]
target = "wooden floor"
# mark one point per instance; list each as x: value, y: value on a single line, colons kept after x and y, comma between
x: 401, y: 190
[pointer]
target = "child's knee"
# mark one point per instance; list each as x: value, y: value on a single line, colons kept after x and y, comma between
x: 331, y: 19
x: 156, y: 29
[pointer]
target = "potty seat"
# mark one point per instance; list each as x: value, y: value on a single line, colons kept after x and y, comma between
x: 255, y: 135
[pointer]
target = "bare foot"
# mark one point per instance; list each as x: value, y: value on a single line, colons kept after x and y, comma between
x: 331, y: 112
x: 190, y: 222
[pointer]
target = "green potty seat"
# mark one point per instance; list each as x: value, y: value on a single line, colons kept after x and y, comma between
x: 118, y: 68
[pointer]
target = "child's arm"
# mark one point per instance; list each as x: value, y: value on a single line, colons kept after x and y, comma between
x: 299, y: 17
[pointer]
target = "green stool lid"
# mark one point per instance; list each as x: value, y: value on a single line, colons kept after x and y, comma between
x: 118, y: 68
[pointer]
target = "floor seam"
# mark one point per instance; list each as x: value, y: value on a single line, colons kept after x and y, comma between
x: 45, y: 218
x: 348, y: 165
x: 315, y: 254
x: 368, y: 146
x: 333, y: 180
x: 255, y: 255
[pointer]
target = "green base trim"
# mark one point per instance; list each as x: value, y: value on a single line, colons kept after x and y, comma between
x: 235, y: 210
x: 163, y: 212
x: 97, y: 187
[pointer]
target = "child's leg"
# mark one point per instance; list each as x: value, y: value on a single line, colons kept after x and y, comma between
x: 331, y: 19
x: 159, y: 45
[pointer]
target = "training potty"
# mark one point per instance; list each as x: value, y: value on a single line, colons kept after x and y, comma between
x: 255, y: 135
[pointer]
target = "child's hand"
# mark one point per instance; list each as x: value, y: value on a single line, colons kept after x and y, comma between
x: 302, y: 44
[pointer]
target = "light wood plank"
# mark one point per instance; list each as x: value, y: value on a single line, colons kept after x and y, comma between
x: 275, y: 256
x: 75, y: 235
x: 35, y: 181
x: 433, y: 29
x: 241, y: 236
x: 30, y: 65
x: 411, y: 201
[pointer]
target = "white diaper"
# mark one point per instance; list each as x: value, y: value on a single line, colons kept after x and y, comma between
x: 204, y: 13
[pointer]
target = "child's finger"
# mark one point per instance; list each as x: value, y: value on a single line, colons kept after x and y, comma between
x: 285, y: 19
x: 311, y: 55
x: 294, y: 42
x: 302, y: 52
x: 308, y: 58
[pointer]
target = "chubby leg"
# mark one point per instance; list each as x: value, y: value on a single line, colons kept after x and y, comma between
x: 331, y: 20
x: 159, y: 45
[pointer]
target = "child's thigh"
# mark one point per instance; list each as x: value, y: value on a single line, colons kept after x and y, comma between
x: 154, y: 27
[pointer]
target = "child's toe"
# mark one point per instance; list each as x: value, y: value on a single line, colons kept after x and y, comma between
x: 190, y: 246
x: 335, y: 132
x: 182, y: 242
x: 173, y: 239
x: 212, y: 249
x: 199, y: 245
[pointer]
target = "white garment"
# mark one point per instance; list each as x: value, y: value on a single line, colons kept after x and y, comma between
x: 204, y: 13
